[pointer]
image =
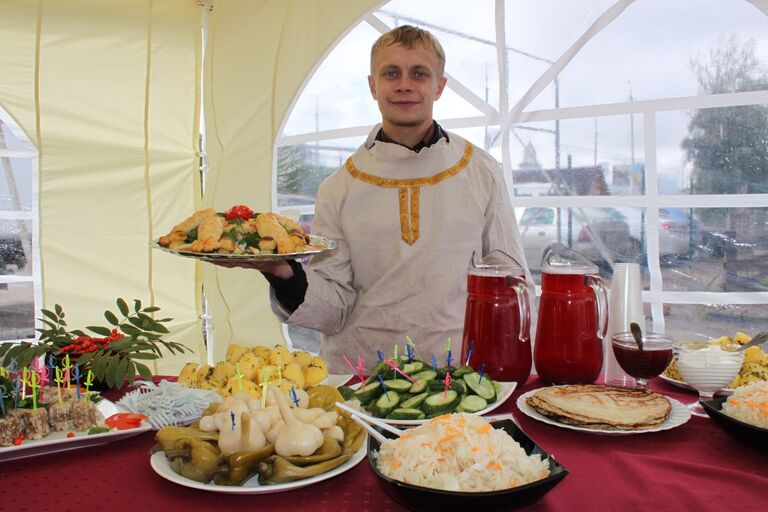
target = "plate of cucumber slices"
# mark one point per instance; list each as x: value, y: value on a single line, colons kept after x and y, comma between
x: 398, y: 400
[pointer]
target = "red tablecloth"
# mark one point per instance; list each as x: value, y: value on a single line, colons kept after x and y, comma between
x: 696, y: 467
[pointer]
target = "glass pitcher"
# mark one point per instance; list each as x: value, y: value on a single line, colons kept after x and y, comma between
x: 497, y: 318
x: 572, y: 321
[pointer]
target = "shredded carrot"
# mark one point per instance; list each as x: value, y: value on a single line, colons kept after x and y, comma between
x: 485, y: 428
x: 493, y: 465
x: 395, y: 464
x: 447, y: 438
x: 475, y: 449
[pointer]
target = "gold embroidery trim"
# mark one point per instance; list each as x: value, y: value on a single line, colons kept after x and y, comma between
x: 409, y: 210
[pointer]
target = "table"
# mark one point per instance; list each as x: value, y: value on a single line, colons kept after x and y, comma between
x: 695, y: 467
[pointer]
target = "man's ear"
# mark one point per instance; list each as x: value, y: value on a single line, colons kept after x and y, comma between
x: 372, y: 86
x: 440, y: 87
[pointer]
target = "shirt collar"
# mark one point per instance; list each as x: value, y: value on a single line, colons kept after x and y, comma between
x: 437, y: 134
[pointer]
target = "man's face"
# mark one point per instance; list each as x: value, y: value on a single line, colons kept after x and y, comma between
x: 405, y: 83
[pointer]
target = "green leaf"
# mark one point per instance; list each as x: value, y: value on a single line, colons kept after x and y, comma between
x: 5, y: 347
x: 144, y: 371
x: 136, y: 305
x: 111, y: 318
x: 130, y: 330
x: 160, y: 328
x: 62, y: 322
x: 123, y: 307
x: 99, y: 365
x: 143, y: 355
x: 111, y: 371
x: 121, y: 345
x: 151, y: 309
x: 121, y: 372
x: 78, y: 332
x: 131, y: 373
x: 136, y: 321
x: 104, y: 331
x: 50, y: 315
x: 85, y: 358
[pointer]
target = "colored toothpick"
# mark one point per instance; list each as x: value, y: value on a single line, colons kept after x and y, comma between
x: 4, y: 372
x: 232, y: 415
x: 470, y: 348
x: 239, y: 377
x: 398, y: 370
x: 59, y: 381
x: 264, y: 386
x: 481, y: 372
x: 34, y: 382
x: 434, y: 362
x: 383, y: 386
x: 448, y: 380
x: 88, y: 382
x: 361, y: 364
x: 359, y: 375
x: 24, y: 381
x: 67, y: 366
x: 294, y: 397
x: 16, y: 390
x: 395, y: 357
x: 380, y: 355
x: 411, y: 344
x: 51, y: 368
x: 448, y: 352
x: 78, y: 377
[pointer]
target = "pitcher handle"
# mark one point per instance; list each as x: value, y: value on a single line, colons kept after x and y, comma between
x: 523, y: 305
x: 601, y: 294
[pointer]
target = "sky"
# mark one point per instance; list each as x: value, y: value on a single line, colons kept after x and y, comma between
x: 646, y: 51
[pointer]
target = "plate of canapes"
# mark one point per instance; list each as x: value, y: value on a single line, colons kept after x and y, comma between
x: 240, y: 234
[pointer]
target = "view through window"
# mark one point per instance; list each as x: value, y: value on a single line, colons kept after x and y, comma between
x: 632, y: 133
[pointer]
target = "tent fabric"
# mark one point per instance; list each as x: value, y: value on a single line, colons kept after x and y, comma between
x: 109, y: 93
x: 258, y: 55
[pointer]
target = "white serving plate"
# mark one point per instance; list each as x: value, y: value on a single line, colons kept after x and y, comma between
x: 59, y: 442
x: 506, y: 391
x: 160, y: 464
x: 685, y: 385
x: 679, y: 415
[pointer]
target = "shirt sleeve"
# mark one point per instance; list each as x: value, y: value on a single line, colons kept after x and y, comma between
x: 330, y: 295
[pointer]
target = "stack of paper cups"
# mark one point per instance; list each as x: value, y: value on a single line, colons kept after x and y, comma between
x: 624, y: 307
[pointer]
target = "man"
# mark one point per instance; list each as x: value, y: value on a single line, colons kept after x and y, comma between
x: 408, y: 210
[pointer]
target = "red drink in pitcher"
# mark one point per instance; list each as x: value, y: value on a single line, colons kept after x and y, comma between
x: 497, y: 321
x: 572, y: 320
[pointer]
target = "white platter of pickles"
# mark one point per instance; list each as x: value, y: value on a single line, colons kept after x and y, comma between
x: 414, y: 401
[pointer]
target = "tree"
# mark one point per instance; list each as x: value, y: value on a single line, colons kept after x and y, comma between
x: 296, y: 171
x: 728, y: 147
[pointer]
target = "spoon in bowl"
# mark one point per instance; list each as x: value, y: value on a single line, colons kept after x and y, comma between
x: 637, y: 334
x: 759, y: 338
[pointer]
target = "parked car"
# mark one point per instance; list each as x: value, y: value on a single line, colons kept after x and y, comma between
x: 600, y: 234
x: 675, y: 233
x: 304, y: 207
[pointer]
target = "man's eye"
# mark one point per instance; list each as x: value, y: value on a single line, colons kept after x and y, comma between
x: 390, y: 74
x: 419, y: 74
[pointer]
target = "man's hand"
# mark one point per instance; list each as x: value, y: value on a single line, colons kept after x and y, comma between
x: 279, y: 269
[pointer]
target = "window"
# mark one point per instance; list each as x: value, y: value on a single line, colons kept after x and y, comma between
x: 650, y: 112
x: 19, y: 285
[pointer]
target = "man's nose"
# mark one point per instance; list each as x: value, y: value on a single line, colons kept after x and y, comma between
x: 404, y: 84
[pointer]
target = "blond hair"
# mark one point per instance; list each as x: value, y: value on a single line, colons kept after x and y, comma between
x: 409, y: 36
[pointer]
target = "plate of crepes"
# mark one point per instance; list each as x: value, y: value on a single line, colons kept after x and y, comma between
x: 744, y: 414
x: 753, y: 369
x: 461, y: 460
x: 246, y: 445
x: 59, y: 420
x: 239, y: 234
x: 603, y: 409
x: 416, y: 391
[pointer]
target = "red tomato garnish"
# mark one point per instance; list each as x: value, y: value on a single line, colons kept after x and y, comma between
x: 70, y: 434
x: 239, y: 212
x: 22, y: 436
x: 125, y: 420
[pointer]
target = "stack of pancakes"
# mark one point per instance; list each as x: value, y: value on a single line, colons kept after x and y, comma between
x: 602, y: 407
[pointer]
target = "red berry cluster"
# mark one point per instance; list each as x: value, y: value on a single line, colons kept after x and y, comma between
x: 19, y: 439
x: 83, y: 344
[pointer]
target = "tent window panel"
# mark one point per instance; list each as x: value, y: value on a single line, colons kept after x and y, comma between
x: 714, y: 150
x: 646, y: 52
x: 728, y: 249
x: 706, y: 321
x: 17, y: 302
x: 337, y: 94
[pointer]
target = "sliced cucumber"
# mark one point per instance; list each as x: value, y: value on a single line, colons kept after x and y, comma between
x: 445, y: 369
x: 459, y: 386
x: 425, y: 375
x: 369, y: 393
x: 386, y: 403
x: 436, y: 385
x: 482, y: 387
x: 440, y: 403
x: 462, y: 371
x: 418, y: 387
x: 472, y: 403
x: 404, y: 413
x: 346, y: 392
x: 399, y: 385
x: 413, y: 367
x: 414, y: 402
x: 497, y: 386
